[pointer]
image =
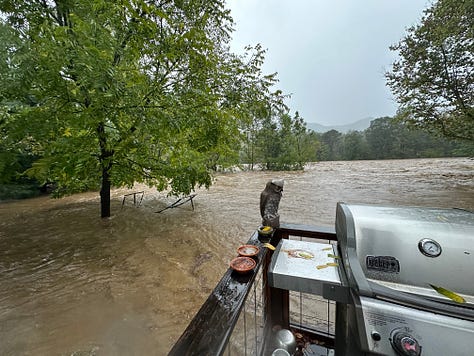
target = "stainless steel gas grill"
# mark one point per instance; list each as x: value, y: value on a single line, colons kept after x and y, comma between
x: 410, y: 279
x: 404, y: 281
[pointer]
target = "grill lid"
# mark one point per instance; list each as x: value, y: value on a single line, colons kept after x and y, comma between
x: 408, y: 249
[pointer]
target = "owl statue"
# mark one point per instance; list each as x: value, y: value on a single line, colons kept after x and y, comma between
x: 269, y: 202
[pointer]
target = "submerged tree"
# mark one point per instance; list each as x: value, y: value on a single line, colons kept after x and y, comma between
x: 284, y: 143
x: 299, y: 146
x: 117, y: 92
x: 433, y: 80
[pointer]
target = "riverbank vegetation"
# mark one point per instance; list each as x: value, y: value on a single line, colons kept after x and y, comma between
x: 388, y: 138
x: 433, y: 79
x: 98, y: 94
x: 286, y: 144
x: 105, y: 93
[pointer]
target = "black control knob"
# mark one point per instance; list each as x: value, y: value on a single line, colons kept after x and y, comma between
x: 376, y: 336
x: 405, y: 344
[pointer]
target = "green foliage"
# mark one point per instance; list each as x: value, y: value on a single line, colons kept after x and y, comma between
x: 355, y: 146
x: 117, y: 92
x: 279, y: 142
x: 433, y: 80
x: 389, y: 138
x: 383, y: 138
x: 22, y: 190
x: 259, y: 107
x: 332, y: 143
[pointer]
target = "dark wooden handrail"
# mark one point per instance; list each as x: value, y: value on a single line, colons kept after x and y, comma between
x: 311, y: 231
x: 210, y: 330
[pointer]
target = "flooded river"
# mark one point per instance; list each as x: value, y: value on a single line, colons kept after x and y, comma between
x: 74, y: 284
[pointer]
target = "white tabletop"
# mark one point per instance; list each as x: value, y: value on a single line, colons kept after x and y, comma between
x: 304, y: 266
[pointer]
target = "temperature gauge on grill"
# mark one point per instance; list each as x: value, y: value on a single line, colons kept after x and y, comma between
x: 429, y: 247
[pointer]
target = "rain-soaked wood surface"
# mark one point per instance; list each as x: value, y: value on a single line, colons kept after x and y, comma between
x: 211, y: 328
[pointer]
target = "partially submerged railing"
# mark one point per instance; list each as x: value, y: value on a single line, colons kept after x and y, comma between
x: 213, y: 326
x: 135, y: 195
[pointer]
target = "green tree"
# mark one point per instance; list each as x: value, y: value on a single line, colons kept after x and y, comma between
x: 305, y: 143
x: 260, y: 107
x: 332, y: 145
x: 433, y: 80
x: 269, y: 144
x: 117, y: 92
x: 286, y: 158
x: 250, y: 144
x: 390, y: 138
x: 284, y: 143
x: 354, y: 146
x: 382, y: 138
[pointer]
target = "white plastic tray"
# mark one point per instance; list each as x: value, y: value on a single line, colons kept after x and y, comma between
x: 290, y: 272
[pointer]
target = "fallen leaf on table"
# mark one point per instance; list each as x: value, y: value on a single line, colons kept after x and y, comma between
x: 450, y: 294
x: 271, y: 247
x: 322, y: 266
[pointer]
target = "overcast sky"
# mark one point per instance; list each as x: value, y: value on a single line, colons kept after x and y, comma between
x: 331, y: 55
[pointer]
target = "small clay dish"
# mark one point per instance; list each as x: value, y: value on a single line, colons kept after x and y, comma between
x: 242, y: 264
x: 248, y: 250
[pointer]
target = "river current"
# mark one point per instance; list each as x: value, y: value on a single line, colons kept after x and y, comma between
x: 75, y: 284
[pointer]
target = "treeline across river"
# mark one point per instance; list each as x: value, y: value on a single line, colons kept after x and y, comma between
x: 287, y: 144
x: 388, y: 139
x: 280, y: 143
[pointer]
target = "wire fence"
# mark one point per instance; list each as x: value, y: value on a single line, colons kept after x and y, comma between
x: 248, y: 335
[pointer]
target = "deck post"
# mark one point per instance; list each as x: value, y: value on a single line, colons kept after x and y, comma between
x: 277, y: 301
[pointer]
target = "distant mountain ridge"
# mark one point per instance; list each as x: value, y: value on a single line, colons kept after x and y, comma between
x: 359, y: 125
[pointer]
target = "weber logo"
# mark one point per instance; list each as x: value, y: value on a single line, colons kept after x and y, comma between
x: 383, y: 263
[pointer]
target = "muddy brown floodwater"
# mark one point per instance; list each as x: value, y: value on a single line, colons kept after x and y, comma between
x: 74, y: 284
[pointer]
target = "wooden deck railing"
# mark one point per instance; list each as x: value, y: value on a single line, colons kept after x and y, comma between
x: 211, y: 328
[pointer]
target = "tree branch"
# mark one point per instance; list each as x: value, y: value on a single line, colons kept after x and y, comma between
x: 452, y: 83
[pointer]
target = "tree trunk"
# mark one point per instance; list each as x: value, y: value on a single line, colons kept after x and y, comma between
x: 105, y: 194
x: 106, y: 164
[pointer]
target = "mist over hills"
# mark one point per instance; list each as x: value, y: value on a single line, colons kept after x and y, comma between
x: 359, y: 125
